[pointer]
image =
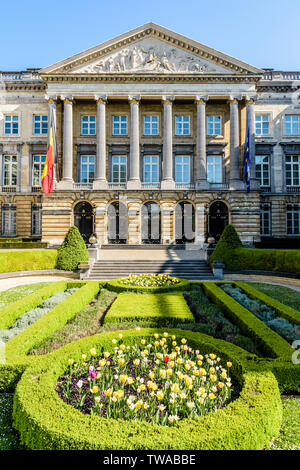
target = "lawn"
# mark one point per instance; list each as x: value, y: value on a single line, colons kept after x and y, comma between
x: 159, y: 307
x: 283, y: 294
x: 19, y: 292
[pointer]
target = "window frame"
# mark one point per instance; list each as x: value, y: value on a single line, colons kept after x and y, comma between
x: 151, y: 168
x: 40, y: 134
x: 284, y: 125
x: 88, y: 116
x: 11, y: 134
x: 261, y: 178
x: 182, y: 171
x: 262, y: 114
x: 11, y: 211
x: 183, y: 115
x: 89, y: 165
x: 214, y: 166
x: 292, y: 212
x: 119, y: 115
x: 36, y: 209
x: 40, y: 164
x: 213, y: 115
x: 266, y: 208
x: 10, y: 164
x: 287, y: 164
x: 119, y: 168
x: 151, y: 116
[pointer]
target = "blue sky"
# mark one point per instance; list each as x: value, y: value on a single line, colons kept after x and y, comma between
x: 37, y: 33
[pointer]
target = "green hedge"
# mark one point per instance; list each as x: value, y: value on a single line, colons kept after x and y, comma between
x: 22, y: 245
x: 17, y: 348
x: 10, y: 313
x: 249, y: 422
x: 259, y: 259
x: 27, y: 260
x: 278, y: 351
x: 116, y: 285
x: 269, y: 342
x: 282, y: 310
x: 163, y: 308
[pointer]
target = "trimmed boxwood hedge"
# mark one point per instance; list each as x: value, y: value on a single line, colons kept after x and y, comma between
x: 116, y: 285
x: 163, y: 309
x: 277, y: 350
x: 282, y: 310
x: 27, y: 260
x: 17, y: 348
x: 249, y: 422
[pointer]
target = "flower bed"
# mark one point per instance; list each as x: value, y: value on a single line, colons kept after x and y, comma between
x: 150, y: 280
x: 242, y: 424
x: 160, y: 382
x: 264, y: 312
x: 149, y: 284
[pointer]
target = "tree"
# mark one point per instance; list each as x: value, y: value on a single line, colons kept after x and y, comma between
x: 71, y: 251
x: 226, y: 248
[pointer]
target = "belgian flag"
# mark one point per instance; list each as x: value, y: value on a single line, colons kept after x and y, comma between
x: 48, y: 171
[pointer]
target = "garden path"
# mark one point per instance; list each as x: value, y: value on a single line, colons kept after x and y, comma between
x: 281, y: 281
x: 19, y: 281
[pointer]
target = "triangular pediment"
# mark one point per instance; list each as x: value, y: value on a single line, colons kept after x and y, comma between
x: 150, y: 49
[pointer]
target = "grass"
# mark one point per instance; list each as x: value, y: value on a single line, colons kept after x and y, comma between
x: 19, y: 292
x: 287, y: 296
x: 27, y: 260
x: 86, y: 323
x: 289, y: 437
x: 9, y: 439
x: 162, y: 307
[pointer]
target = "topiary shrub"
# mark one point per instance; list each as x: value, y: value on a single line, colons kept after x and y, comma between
x: 71, y: 251
x: 226, y: 246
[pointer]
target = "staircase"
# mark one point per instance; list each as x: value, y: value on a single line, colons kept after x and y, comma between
x: 193, y: 270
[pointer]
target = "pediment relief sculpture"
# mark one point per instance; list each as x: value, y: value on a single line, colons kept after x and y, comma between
x: 150, y: 57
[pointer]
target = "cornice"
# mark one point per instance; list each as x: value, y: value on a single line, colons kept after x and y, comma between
x: 25, y: 86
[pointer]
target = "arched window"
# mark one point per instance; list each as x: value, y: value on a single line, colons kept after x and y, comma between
x: 151, y: 223
x: 184, y: 222
x: 117, y: 223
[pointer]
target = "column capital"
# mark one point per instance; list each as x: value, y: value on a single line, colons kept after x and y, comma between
x: 167, y: 99
x: 234, y: 99
x: 100, y: 98
x: 51, y: 98
x: 201, y: 99
x: 250, y: 99
x: 134, y: 99
x: 67, y: 98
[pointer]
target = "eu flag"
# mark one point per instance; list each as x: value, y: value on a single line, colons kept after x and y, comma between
x: 247, y: 158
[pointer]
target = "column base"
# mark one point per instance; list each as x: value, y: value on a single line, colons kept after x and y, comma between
x: 237, y: 184
x: 134, y: 184
x: 65, y: 184
x: 100, y: 184
x: 202, y: 184
x: 167, y: 184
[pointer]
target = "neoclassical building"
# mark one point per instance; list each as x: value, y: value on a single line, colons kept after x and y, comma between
x: 150, y: 136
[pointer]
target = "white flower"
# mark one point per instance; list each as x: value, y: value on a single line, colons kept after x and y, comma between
x: 79, y: 383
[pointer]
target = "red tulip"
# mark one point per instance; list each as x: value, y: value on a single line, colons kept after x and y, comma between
x: 166, y: 359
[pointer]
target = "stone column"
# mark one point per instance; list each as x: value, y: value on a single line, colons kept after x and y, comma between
x: 52, y: 109
x: 67, y: 180
x: 254, y: 184
x: 200, y: 231
x: 134, y: 181
x: 168, y: 180
x: 100, y: 181
x: 201, y: 165
x: 235, y: 179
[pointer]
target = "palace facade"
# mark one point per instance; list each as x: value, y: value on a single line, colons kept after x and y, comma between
x: 150, y: 136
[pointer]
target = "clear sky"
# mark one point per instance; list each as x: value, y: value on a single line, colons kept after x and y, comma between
x: 38, y: 33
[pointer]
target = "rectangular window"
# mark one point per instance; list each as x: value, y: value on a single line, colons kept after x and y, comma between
x: 182, y: 125
x: 265, y: 220
x: 36, y: 219
x: 9, y: 219
x: 119, y: 125
x: 182, y: 169
x: 151, y: 169
x: 262, y: 124
x: 11, y: 124
x: 88, y: 125
x: 10, y: 176
x: 262, y: 169
x: 40, y: 124
x: 214, y: 168
x: 119, y: 169
x: 213, y: 125
x: 151, y: 125
x: 38, y: 162
x: 293, y: 219
x: 87, y: 168
x: 291, y: 124
x: 292, y: 170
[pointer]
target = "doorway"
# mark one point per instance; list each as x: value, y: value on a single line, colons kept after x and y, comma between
x: 84, y: 219
x: 218, y: 219
x: 184, y: 223
x: 117, y: 223
x: 151, y: 223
